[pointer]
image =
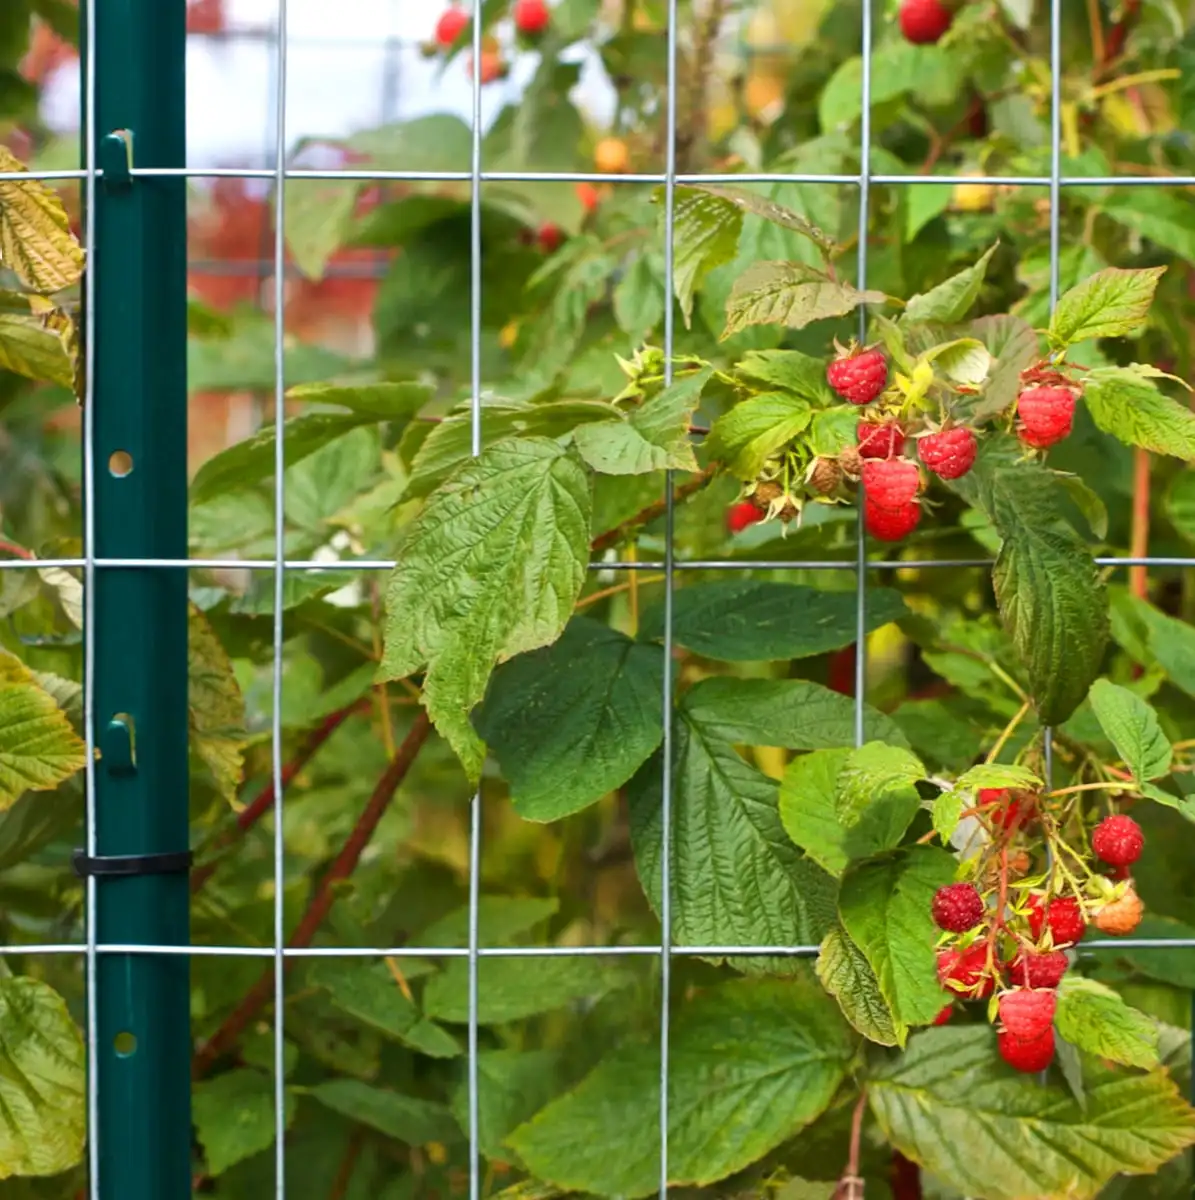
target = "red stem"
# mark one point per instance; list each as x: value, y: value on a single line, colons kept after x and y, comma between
x: 17, y: 551
x: 342, y: 867
x: 1139, y: 543
x: 1118, y: 34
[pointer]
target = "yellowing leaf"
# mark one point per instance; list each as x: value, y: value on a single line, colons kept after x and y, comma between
x: 789, y: 293
x: 29, y: 348
x: 36, y: 242
x: 217, y: 709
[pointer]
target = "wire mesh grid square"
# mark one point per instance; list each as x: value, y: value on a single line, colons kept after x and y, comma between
x: 280, y: 565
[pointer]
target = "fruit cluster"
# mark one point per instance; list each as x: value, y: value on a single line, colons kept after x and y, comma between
x: 1006, y: 934
x: 531, y: 19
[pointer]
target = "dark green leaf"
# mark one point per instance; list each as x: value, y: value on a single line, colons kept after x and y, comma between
x: 234, y: 1117
x: 512, y: 1086
x: 407, y: 1119
x: 846, y: 975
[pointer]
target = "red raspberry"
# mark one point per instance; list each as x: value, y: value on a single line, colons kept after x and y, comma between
x: 891, y: 524
x: 450, y: 26
x: 1031, y: 1056
x: 859, y: 375
x: 957, y: 907
x: 549, y: 237
x: 1002, y: 808
x: 948, y: 454
x: 923, y: 21
x: 739, y: 516
x: 1118, y: 840
x: 944, y: 1015
x: 882, y: 439
x: 1047, y: 414
x: 1064, y: 917
x: 962, y: 971
x: 1028, y: 1012
x: 588, y: 195
x: 530, y: 17
x: 891, y: 483
x: 1038, y: 970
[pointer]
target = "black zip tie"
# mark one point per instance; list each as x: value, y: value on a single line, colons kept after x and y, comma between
x: 124, y: 866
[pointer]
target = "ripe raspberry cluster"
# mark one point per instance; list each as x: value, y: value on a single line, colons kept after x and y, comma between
x: 1005, y: 934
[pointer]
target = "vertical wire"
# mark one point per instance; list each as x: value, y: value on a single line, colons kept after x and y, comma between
x: 89, y: 240
x: 864, y: 214
x: 669, y: 569
x: 279, y: 583
x: 475, y: 447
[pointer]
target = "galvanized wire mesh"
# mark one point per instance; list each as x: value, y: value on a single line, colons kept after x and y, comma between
x: 279, y: 174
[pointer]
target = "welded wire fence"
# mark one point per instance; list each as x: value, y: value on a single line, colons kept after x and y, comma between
x: 90, y: 563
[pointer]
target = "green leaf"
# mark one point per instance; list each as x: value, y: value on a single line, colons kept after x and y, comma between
x: 30, y: 347
x: 949, y: 302
x: 38, y: 746
x: 1125, y: 403
x: 870, y: 774
x: 1055, y: 608
x: 1165, y: 217
x: 575, y: 720
x: 1111, y: 303
x: 1096, y: 1019
x: 923, y: 203
x: 43, y: 1108
x: 749, y: 620
x: 500, y: 921
x: 884, y: 906
x: 737, y: 879
x: 1013, y: 343
x: 792, y: 294
x: 510, y: 989
x: 845, y: 973
x: 750, y: 1064
x: 652, y: 437
x: 1131, y: 725
x: 791, y: 371
x: 792, y: 713
x: 898, y: 68
x: 810, y: 815
x: 407, y: 1119
x: 234, y: 1117
x: 379, y: 401
x: 705, y: 235
x: 491, y: 568
x: 513, y: 1085
x: 216, y: 709
x: 318, y: 216
x: 833, y: 430
x: 639, y: 298
x: 760, y: 206
x: 952, y: 1106
x: 948, y: 806
x: 755, y: 428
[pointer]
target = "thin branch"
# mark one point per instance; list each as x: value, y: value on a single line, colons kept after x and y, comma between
x: 850, y: 1185
x: 16, y: 551
x: 1139, y: 538
x: 1119, y: 33
x: 652, y: 512
x: 342, y: 867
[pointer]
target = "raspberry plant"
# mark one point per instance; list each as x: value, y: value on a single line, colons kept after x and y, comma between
x: 1022, y: 785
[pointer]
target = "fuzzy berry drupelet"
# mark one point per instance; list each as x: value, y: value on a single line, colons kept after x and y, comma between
x: 530, y: 17
x: 1063, y: 916
x: 1038, y: 970
x: 891, y: 482
x: 740, y: 516
x: 962, y: 971
x: 858, y: 375
x: 1028, y: 1012
x: 1029, y: 1056
x: 880, y: 439
x: 949, y: 454
x: 924, y: 21
x: 1118, y: 840
x: 891, y: 524
x: 450, y: 26
x: 1046, y: 415
x: 1121, y: 916
x: 957, y: 907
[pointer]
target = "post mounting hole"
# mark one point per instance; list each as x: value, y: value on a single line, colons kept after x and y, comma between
x: 125, y: 1044
x: 120, y: 463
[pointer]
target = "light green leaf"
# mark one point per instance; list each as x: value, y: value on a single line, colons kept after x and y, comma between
x: 215, y: 706
x: 949, y: 302
x: 407, y: 1119
x: 755, y: 428
x: 491, y: 568
x: 500, y: 921
x: 1169, y: 641
x: 574, y: 720
x: 1165, y: 216
x: 898, y: 68
x: 749, y: 620
x: 950, y: 1105
x: 966, y: 361
x: 1131, y: 725
x: 1013, y: 343
x: 639, y: 298
x: 652, y: 437
x: 43, y: 1108
x: 791, y: 371
x: 948, y: 806
x: 884, y: 905
x: 705, y: 235
x: 750, y: 1064
x: 760, y: 206
x: 1096, y: 1019
x: 872, y: 772
x: 809, y: 812
x: 379, y: 401
x: 923, y: 203
x: 1125, y: 403
x: 792, y: 294
x: 846, y: 975
x: 1180, y: 503
x: 833, y: 430
x: 234, y: 1117
x: 737, y: 879
x: 1111, y: 303
x: 30, y: 347
x: 38, y: 746
x: 318, y: 217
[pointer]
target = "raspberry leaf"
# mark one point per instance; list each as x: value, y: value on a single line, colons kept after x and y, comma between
x: 1110, y: 303
x: 1124, y: 402
x: 791, y: 371
x: 750, y: 1063
x: 872, y: 772
x: 884, y: 905
x: 948, y: 806
x: 952, y: 1107
x: 1097, y: 1020
x: 234, y: 1117
x: 1013, y: 343
x: 761, y: 206
x: 897, y: 69
x: 949, y: 302
x: 572, y: 721
x: 215, y: 707
x: 755, y: 428
x: 490, y: 568
x: 846, y: 975
x: 792, y: 294
x: 404, y: 1118
x: 1132, y: 726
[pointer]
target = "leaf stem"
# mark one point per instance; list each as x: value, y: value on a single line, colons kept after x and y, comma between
x: 851, y: 1175
x: 17, y: 551
x: 1009, y: 729
x: 1115, y: 785
x: 1139, y: 538
x: 616, y: 589
x: 651, y: 512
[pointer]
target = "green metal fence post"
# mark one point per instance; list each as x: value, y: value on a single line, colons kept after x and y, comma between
x: 140, y: 632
